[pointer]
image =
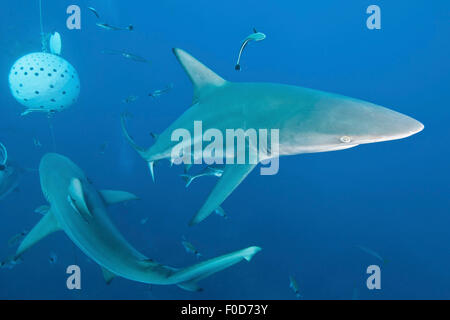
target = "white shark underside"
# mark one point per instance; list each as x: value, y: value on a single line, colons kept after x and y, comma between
x: 308, y: 121
x: 78, y: 209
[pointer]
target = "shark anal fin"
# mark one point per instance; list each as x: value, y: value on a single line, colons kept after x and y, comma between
x: 232, y: 176
x: 108, y: 275
x: 77, y: 199
x: 202, y: 78
x: 47, y: 225
x: 116, y: 196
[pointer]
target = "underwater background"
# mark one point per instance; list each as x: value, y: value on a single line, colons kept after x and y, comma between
x: 310, y: 218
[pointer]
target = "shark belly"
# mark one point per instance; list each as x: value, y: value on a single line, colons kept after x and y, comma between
x: 100, y: 240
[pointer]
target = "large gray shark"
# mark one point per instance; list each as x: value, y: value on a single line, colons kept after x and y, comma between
x: 78, y: 209
x: 308, y: 121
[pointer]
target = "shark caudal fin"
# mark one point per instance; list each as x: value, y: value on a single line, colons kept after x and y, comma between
x: 187, y: 178
x: 187, y: 278
x: 203, y: 79
x: 129, y: 139
x: 142, y: 152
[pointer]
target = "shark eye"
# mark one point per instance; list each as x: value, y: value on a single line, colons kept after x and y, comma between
x: 345, y: 139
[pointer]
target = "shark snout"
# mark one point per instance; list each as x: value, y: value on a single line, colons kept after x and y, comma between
x: 386, y: 125
x: 50, y: 160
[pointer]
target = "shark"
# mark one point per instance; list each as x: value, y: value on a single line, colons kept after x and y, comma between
x: 308, y: 121
x: 80, y: 210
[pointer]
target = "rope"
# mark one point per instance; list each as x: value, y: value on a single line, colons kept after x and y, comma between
x: 43, y: 42
x: 52, y: 132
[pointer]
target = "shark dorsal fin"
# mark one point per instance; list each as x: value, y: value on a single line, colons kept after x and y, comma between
x: 203, y: 78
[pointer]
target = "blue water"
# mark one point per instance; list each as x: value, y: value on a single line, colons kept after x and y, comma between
x: 391, y: 197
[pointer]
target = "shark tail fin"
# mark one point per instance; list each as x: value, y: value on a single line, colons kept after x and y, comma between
x: 187, y: 278
x: 139, y: 149
x: 187, y: 178
x: 202, y: 78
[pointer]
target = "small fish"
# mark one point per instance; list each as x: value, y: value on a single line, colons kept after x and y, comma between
x: 160, y: 92
x: 16, y: 238
x: 130, y: 99
x: 255, y: 36
x: 220, y: 212
x: 126, y: 55
x: 42, y: 209
x: 144, y: 220
x: 112, y: 28
x: 189, y: 247
x: 11, y: 262
x: 212, y: 170
x: 372, y: 253
x: 127, y: 114
x: 103, y: 147
x: 53, y: 258
x: 37, y: 143
x: 94, y: 12
x: 294, y: 286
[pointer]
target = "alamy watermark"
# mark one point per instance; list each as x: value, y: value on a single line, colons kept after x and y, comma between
x: 250, y: 146
x: 74, y: 280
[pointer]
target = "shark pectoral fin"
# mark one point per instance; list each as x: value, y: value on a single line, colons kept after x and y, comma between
x: 47, y: 225
x: 233, y: 175
x: 115, y: 196
x: 108, y: 275
x: 77, y: 200
x: 203, y: 78
x: 190, y: 286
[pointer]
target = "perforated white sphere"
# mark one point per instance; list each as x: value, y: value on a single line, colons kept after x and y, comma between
x: 44, y: 82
